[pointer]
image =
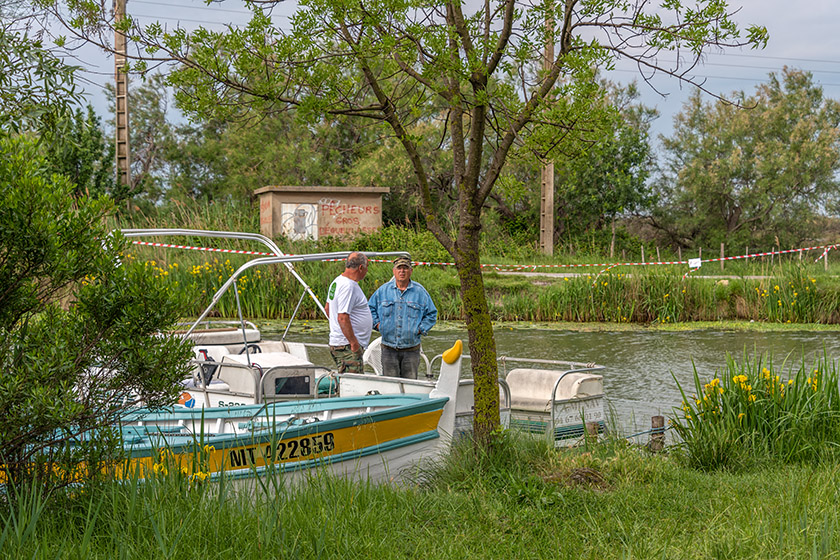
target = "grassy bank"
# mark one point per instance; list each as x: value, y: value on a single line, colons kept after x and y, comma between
x: 794, y: 293
x: 525, y: 501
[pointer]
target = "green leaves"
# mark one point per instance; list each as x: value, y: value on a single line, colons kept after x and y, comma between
x: 36, y: 88
x: 757, y: 173
x: 78, y: 334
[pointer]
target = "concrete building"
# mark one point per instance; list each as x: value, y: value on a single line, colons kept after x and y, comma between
x: 314, y: 212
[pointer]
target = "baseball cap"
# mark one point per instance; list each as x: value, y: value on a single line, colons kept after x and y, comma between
x: 403, y: 261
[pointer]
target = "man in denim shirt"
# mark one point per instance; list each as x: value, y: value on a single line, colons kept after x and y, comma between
x: 402, y: 311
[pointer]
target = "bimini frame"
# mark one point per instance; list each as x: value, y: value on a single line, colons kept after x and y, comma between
x: 279, y: 258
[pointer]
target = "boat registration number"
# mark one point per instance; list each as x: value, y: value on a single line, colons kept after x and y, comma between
x: 287, y: 450
x: 300, y: 448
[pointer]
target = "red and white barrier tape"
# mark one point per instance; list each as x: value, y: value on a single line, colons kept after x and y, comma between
x: 693, y: 263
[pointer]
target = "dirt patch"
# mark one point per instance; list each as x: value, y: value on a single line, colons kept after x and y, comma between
x: 582, y: 477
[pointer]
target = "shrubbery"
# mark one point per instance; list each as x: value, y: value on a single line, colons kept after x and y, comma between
x: 753, y: 413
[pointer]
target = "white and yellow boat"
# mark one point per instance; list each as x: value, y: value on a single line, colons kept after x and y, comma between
x: 373, y: 437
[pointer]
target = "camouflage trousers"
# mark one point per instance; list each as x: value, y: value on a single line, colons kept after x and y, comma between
x: 347, y: 361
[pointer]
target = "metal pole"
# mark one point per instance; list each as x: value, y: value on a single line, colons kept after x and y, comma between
x: 242, y: 323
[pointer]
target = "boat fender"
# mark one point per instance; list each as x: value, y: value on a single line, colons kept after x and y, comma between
x: 207, y: 369
x: 452, y: 355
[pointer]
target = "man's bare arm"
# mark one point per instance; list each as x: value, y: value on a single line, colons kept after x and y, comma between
x: 347, y: 330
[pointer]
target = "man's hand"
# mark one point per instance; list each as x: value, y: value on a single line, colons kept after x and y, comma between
x: 347, y: 330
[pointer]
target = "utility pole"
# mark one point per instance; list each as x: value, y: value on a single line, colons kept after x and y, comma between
x: 123, y: 154
x: 547, y: 175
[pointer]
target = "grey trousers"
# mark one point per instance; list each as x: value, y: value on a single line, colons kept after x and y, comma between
x: 400, y: 362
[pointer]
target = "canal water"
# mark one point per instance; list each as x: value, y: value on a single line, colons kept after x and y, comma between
x: 642, y: 368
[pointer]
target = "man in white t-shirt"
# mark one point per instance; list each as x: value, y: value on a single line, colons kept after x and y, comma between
x: 350, y: 319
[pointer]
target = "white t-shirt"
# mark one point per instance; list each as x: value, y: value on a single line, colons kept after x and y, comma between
x: 345, y: 296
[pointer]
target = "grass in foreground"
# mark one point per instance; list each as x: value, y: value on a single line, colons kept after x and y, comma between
x: 525, y: 500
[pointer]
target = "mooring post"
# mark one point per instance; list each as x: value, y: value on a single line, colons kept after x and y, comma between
x: 657, y: 434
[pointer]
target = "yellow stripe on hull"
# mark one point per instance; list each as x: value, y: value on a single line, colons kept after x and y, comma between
x: 274, y: 449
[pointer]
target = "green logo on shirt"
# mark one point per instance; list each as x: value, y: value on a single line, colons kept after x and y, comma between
x: 331, y: 292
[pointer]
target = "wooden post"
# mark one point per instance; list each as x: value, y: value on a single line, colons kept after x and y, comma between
x: 643, y: 253
x: 722, y: 254
x: 657, y: 434
x: 591, y: 429
x: 826, y: 259
x: 679, y: 253
x: 122, y: 151
x: 658, y: 258
x: 547, y: 190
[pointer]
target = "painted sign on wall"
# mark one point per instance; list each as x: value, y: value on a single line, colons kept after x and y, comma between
x: 299, y: 221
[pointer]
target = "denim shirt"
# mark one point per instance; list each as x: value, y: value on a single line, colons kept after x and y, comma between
x: 402, y: 316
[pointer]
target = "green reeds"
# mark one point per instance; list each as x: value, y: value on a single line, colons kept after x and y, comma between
x: 753, y: 413
x: 794, y: 292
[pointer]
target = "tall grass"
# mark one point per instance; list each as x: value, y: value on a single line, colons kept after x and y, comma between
x: 796, y: 295
x: 523, y: 499
x: 791, y: 290
x: 752, y: 412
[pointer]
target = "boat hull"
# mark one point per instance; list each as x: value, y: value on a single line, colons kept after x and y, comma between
x: 372, y: 438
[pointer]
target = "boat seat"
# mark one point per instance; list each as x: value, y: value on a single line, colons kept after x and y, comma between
x: 227, y: 335
x: 241, y: 379
x: 530, y: 389
x: 207, y: 371
x: 216, y: 352
x: 297, y: 349
x: 373, y: 355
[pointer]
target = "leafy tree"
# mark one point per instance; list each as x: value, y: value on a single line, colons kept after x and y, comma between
x: 68, y: 372
x: 36, y: 88
x: 402, y: 64
x: 81, y: 152
x: 595, y: 182
x: 610, y: 177
x: 215, y: 160
x: 78, y: 331
x: 751, y: 176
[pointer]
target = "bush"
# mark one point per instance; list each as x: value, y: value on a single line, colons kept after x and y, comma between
x: 78, y: 331
x: 750, y: 414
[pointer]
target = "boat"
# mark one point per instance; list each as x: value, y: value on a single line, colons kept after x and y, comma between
x: 565, y: 404
x: 373, y: 438
x: 234, y: 366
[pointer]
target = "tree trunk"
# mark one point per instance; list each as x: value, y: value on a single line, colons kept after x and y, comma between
x: 482, y: 344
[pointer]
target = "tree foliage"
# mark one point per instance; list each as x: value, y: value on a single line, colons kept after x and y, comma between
x: 471, y: 67
x: 79, y: 150
x: 79, y: 338
x: 754, y: 175
x: 37, y: 90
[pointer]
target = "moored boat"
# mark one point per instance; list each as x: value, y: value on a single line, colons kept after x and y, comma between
x: 373, y: 437
x: 234, y: 366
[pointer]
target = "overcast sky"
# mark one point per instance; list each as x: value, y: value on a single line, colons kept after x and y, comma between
x: 803, y: 35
